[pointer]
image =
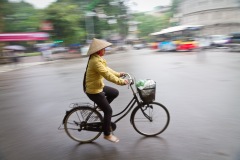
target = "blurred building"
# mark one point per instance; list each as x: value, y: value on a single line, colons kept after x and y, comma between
x: 218, y: 16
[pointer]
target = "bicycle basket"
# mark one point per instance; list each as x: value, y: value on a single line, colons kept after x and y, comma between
x: 148, y: 92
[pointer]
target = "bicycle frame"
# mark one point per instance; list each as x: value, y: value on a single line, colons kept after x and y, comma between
x: 131, y: 104
x: 86, y: 117
x: 128, y: 108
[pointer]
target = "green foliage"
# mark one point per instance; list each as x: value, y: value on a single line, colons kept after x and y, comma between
x: 92, y: 5
x: 149, y: 24
x: 69, y: 21
x: 30, y: 54
x: 21, y: 17
x: 175, y: 5
x: 2, y: 13
x: 71, y: 28
x: 66, y: 20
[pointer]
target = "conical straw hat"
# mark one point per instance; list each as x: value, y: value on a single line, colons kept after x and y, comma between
x: 97, y: 45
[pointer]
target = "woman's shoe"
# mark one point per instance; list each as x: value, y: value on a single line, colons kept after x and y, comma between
x: 111, y: 138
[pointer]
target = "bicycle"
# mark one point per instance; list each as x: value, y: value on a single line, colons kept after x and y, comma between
x: 83, y: 123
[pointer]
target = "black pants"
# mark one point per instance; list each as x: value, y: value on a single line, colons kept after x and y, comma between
x: 103, y: 100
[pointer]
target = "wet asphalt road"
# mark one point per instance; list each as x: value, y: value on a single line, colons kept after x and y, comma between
x: 201, y: 91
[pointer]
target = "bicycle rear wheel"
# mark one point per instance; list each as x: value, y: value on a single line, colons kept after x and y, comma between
x: 150, y: 119
x: 76, y: 121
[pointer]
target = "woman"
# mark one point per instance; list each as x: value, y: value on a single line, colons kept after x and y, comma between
x: 96, y: 71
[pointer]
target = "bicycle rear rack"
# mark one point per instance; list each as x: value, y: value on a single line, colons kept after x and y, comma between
x: 81, y: 104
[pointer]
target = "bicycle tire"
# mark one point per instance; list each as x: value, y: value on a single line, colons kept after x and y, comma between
x: 74, y: 124
x: 157, y: 122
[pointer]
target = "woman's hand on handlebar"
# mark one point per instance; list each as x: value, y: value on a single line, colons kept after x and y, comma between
x: 122, y: 74
x: 127, y: 77
x: 126, y: 81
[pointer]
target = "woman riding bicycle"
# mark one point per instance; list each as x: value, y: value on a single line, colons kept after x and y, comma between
x: 96, y: 71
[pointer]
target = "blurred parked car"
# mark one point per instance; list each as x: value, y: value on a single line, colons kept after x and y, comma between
x: 139, y: 46
x: 219, y: 40
x: 59, y: 50
x: 234, y: 42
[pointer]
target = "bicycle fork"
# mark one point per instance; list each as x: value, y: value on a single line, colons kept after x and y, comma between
x: 149, y: 117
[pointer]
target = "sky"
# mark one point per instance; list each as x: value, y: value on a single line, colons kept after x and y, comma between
x: 142, y: 5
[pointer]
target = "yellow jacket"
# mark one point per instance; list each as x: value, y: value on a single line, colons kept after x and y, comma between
x: 96, y: 71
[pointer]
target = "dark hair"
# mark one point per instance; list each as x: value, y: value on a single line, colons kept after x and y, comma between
x: 84, y: 77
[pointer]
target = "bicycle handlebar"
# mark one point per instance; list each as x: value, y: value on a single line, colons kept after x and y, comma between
x: 129, y: 78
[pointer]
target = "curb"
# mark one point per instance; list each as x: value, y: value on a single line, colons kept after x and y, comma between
x: 12, y: 67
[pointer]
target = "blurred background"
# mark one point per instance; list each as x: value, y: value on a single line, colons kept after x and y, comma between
x: 189, y: 47
x: 30, y: 28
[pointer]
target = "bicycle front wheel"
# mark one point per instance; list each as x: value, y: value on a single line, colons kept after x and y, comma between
x: 150, y: 119
x: 76, y: 121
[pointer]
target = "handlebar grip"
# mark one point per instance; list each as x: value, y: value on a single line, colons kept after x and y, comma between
x: 129, y: 78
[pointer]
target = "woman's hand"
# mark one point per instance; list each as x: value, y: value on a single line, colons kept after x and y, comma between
x: 126, y: 81
x: 122, y: 74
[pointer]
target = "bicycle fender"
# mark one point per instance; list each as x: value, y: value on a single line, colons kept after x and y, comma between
x: 64, y: 119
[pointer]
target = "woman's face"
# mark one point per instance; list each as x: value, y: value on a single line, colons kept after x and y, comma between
x: 101, y: 52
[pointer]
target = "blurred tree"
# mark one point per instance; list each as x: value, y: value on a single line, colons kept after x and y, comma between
x: 3, y: 6
x: 175, y: 5
x: 21, y: 17
x: 66, y: 18
x: 174, y: 12
x: 117, y: 11
x: 3, y: 10
x: 113, y: 9
x: 149, y: 24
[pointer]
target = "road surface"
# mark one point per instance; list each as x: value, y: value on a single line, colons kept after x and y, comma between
x: 200, y: 89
